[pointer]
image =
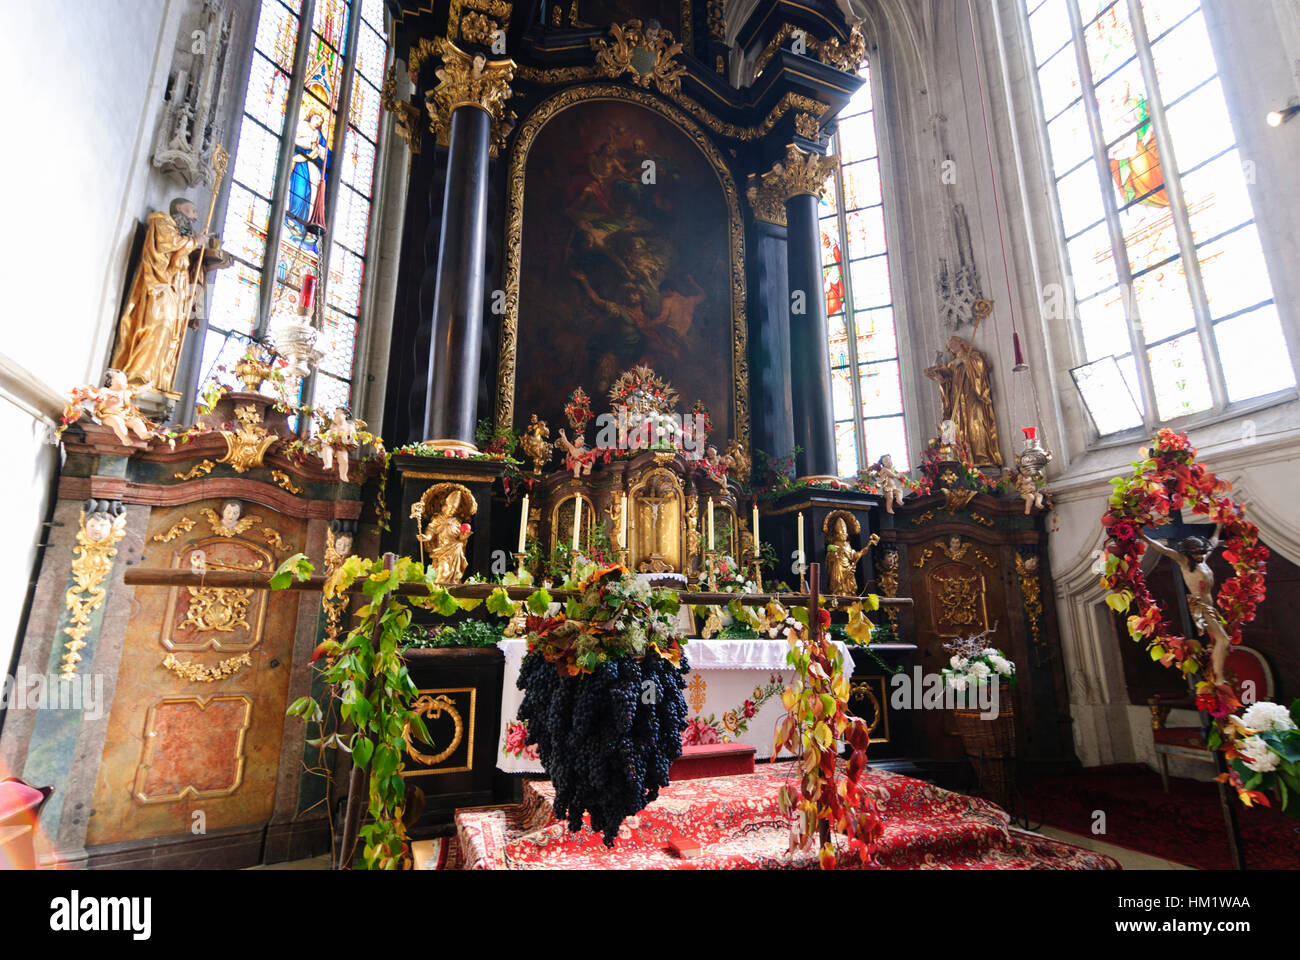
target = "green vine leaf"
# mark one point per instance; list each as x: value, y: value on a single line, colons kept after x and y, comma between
x: 499, y: 603
x: 297, y: 567
x: 539, y: 600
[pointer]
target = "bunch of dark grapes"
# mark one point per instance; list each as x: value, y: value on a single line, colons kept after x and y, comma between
x: 606, y: 738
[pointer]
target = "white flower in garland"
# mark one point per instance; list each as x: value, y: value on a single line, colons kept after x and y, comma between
x: 1265, y: 716
x: 1001, y: 664
x: 958, y: 663
x: 1257, y: 753
x: 979, y: 670
x: 957, y: 682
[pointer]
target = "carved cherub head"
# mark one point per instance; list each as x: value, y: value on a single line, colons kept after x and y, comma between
x: 230, y: 512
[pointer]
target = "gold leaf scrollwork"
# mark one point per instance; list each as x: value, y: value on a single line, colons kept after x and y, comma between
x: 648, y: 54
x: 284, y: 481
x: 807, y: 126
x: 957, y: 597
x: 847, y: 55
x: 1032, y: 590
x: 275, y: 540
x: 183, y: 525
x: 470, y: 81
x: 247, y: 444
x: 97, y: 539
x: 197, y: 673
x: 198, y: 470
x: 477, y: 28
x: 432, y: 708
x: 887, y: 579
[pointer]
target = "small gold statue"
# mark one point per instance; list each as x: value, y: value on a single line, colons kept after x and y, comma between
x: 842, y: 560
x: 967, y: 398
x: 449, y: 507
x: 890, y: 481
x: 740, y: 463
x: 1190, y: 559
x: 535, y: 443
x: 153, y: 324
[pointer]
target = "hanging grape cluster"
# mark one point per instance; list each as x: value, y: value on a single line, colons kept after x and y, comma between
x: 606, y: 738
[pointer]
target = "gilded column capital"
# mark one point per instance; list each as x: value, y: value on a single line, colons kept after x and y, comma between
x: 470, y: 81
x: 801, y: 173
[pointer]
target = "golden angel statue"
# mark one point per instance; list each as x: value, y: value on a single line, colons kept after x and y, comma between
x: 534, y: 442
x: 153, y: 324
x: 448, y: 508
x: 967, y: 399
x: 112, y: 405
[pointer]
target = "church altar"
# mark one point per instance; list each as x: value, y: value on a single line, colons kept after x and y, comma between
x: 733, y: 689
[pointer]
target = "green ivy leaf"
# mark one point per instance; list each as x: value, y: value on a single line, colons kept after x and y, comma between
x: 297, y: 567
x: 362, y: 750
x: 539, y: 600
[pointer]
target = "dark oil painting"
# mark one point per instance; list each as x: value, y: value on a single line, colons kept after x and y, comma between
x: 617, y: 272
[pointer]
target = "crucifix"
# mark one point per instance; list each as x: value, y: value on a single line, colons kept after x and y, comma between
x: 1192, y: 544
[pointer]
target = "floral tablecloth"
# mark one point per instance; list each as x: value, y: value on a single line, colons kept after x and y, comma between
x: 733, y: 691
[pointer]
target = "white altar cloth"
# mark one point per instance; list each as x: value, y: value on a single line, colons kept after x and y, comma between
x: 728, y: 679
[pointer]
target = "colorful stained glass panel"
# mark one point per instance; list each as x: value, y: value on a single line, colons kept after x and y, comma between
x: 268, y: 91
x: 1109, y: 41
x: 358, y: 162
x: 244, y: 232
x: 1253, y: 354
x: 837, y: 341
x: 833, y: 287
x: 330, y: 23
x: 277, y: 34
x: 1178, y: 376
x: 866, y: 231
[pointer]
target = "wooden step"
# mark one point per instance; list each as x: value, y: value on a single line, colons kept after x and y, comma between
x: 713, y: 760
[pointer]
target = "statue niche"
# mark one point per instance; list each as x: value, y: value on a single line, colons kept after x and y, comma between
x: 656, y: 537
x: 449, y: 508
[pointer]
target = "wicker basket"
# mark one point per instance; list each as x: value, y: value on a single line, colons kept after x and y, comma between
x: 991, y: 747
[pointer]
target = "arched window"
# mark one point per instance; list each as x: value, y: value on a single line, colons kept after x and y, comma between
x: 865, y: 383
x: 1151, y: 191
x: 305, y: 157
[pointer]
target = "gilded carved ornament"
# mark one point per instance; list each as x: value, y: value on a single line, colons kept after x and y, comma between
x: 406, y: 115
x: 247, y: 444
x: 97, y: 539
x: 197, y: 673
x: 648, y: 53
x: 433, y: 708
x: 470, y: 81
x: 847, y: 55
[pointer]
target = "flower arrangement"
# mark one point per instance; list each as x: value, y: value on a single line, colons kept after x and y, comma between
x: 1262, y: 746
x: 1167, y: 478
x: 973, y: 664
x: 578, y: 410
x: 496, y: 440
x: 731, y: 576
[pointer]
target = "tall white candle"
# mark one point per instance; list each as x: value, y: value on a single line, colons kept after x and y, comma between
x: 712, y: 546
x: 622, y: 535
x: 800, y: 526
x: 577, y: 520
x: 755, y: 525
x: 523, y: 526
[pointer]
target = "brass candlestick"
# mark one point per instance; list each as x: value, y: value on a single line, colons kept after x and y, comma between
x: 519, y: 562
x: 711, y: 571
x: 758, y: 573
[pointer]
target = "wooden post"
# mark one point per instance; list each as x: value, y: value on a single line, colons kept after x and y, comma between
x: 357, y: 779
x: 815, y: 636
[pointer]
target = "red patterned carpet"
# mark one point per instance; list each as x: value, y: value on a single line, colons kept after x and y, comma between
x: 1185, y: 825
x: 737, y: 821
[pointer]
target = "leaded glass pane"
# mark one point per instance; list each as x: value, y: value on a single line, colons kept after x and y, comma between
x: 344, y: 289
x: 277, y: 34
x: 1128, y: 367
x: 221, y: 352
x: 372, y: 53
x: 1199, y: 126
x: 1109, y: 41
x: 255, y: 160
x: 1178, y: 377
x: 338, y: 340
x: 1254, y: 355
x: 1122, y: 101
x: 837, y: 341
x: 1104, y: 325
x: 861, y: 184
x: 866, y: 231
x: 330, y: 23
x: 846, y: 449
x: 857, y: 138
x: 358, y: 162
x: 828, y: 204
x: 268, y: 91
x: 243, y: 233
x: 235, y: 297
x: 888, y: 435
x: 841, y: 392
x: 1183, y: 58
x: 1216, y: 197
x: 1080, y: 199
x: 1160, y: 15
x: 833, y: 286
x: 331, y: 393
x: 352, y: 221
x: 1049, y: 27
x: 828, y: 227
x: 372, y: 11
x: 1135, y: 169
x: 1149, y: 232
x: 364, y: 114
x: 1163, y: 302
x: 882, y: 392
x: 1058, y: 81
x: 870, y: 279
x: 1069, y: 139
x: 876, y: 338
x: 1092, y: 262
x: 1234, y: 272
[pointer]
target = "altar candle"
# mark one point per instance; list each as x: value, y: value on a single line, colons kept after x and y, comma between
x: 577, y: 519
x: 622, y: 536
x: 523, y: 526
x: 755, y: 530
x: 800, y: 531
x: 711, y: 544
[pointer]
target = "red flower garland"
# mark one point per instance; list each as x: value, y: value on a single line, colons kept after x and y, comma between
x: 1170, y: 479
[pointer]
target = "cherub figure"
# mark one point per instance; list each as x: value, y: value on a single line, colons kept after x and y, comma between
x: 1025, y: 480
x: 890, y: 481
x: 229, y: 523
x: 717, y: 465
x: 578, y: 457
x: 1190, y: 559
x: 740, y: 464
x: 112, y: 405
x: 339, y: 440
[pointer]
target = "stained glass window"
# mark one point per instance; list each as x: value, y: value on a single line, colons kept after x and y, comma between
x: 865, y: 387
x: 328, y: 181
x: 1160, y: 239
